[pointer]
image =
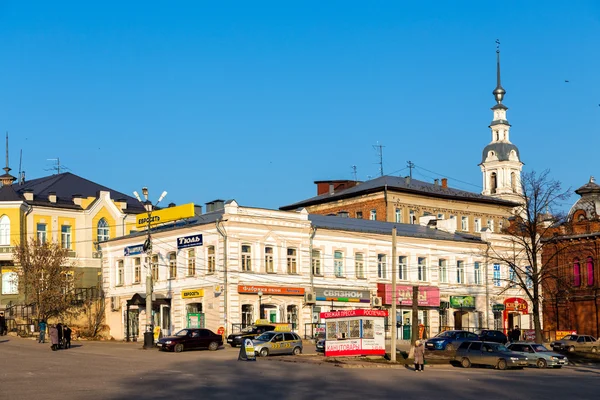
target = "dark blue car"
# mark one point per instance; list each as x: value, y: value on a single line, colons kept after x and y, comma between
x: 449, y: 340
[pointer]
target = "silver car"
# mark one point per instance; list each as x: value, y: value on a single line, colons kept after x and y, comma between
x: 573, y: 343
x: 273, y: 342
x: 488, y: 353
x: 539, y: 355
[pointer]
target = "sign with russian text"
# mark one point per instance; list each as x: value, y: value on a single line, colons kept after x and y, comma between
x: 429, y: 296
x: 133, y: 250
x: 359, y: 332
x: 165, y: 215
x: 343, y: 295
x: 562, y: 334
x: 462, y: 301
x: 360, y: 312
x: 191, y: 293
x: 189, y: 241
x: 515, y: 304
x: 271, y: 290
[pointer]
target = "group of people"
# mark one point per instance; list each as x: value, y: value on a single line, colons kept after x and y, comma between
x: 60, y: 335
x: 514, y: 335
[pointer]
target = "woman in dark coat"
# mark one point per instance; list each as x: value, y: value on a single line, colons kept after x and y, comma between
x: 53, y: 337
x: 419, y: 356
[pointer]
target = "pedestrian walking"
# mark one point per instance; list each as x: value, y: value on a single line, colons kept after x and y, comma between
x: 67, y: 333
x: 516, y: 334
x: 59, y: 328
x: 42, y: 328
x: 53, y: 338
x: 419, y: 356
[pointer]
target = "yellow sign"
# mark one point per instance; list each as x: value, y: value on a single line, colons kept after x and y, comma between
x: 156, y: 333
x: 191, y: 293
x: 165, y: 215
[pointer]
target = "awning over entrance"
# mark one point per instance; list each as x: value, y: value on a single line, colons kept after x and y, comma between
x: 139, y: 299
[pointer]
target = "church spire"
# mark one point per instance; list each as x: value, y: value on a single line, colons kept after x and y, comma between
x: 499, y: 92
x: 7, y: 178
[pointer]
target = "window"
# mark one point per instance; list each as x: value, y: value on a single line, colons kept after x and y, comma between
x: 576, y: 273
x: 452, y: 217
x: 120, y: 273
x: 497, y: 275
x: 477, y: 225
x: 41, y: 233
x: 402, y: 268
x: 399, y: 215
x: 493, y: 183
x: 137, y: 270
x: 4, y: 231
x: 269, y: 260
x: 477, y: 268
x: 338, y: 264
x: 512, y: 276
x: 359, y: 265
x: 464, y: 224
x: 316, y: 263
x: 381, y: 266
x: 10, y: 282
x: 373, y: 215
x: 529, y: 276
x: 292, y: 262
x: 513, y: 182
x: 359, y: 214
x: 211, y: 262
x: 172, y: 265
x: 422, y: 269
x: 590, y: 271
x: 246, y: 257
x: 412, y: 218
x: 440, y: 216
x: 65, y: 237
x: 460, y: 272
x: 103, y: 230
x: 490, y: 224
x: 154, y: 266
x: 191, y: 262
x: 443, y: 264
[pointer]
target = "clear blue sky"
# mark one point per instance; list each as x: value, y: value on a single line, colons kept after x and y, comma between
x: 256, y: 100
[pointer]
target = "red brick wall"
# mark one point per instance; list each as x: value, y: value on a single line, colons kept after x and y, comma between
x: 355, y: 206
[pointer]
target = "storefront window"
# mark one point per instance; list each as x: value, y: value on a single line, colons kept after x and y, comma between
x: 292, y: 316
x: 247, y: 315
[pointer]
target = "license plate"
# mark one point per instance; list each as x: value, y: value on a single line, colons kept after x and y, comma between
x: 429, y: 345
x: 158, y: 344
x: 230, y: 340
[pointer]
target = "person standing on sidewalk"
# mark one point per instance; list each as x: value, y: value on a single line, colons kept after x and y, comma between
x: 67, y: 333
x: 419, y: 356
x: 54, y: 338
x: 42, y: 327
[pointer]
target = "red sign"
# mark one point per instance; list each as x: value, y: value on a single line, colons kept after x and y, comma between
x: 429, y: 296
x: 221, y: 331
x: 515, y: 304
x: 354, y: 313
x: 271, y: 290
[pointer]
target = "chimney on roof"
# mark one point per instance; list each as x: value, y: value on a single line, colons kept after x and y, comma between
x: 436, y: 182
x: 28, y: 194
x: 444, y: 183
x: 331, y: 188
x: 172, y: 205
x: 77, y: 199
x: 121, y: 203
x: 407, y: 180
x: 52, y: 197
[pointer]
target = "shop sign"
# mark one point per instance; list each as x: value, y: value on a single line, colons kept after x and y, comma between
x: 429, y: 296
x: 562, y: 334
x: 165, y: 215
x: 462, y: 302
x: 189, y: 241
x: 515, y: 304
x: 192, y: 293
x: 133, y: 250
x: 361, y: 312
x: 497, y: 307
x: 343, y: 295
x: 271, y: 290
x: 529, y: 335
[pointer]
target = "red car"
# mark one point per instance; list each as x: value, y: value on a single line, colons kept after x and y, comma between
x: 191, y: 338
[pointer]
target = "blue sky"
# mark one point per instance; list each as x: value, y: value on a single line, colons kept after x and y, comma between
x: 256, y: 100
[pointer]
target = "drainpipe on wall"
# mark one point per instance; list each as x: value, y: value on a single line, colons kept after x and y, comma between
x: 313, y: 232
x: 223, y: 233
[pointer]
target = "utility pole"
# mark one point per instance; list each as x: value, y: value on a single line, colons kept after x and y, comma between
x: 149, y: 207
x: 415, y: 315
x: 394, y: 296
x: 313, y: 232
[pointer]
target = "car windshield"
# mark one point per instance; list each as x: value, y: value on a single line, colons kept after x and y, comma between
x: 265, y: 337
x: 248, y: 329
x: 570, y: 337
x: 498, y: 347
x: 183, y: 332
x: 446, y: 334
x: 538, y: 348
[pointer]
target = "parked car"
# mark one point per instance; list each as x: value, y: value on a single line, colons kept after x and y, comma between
x: 573, y: 343
x: 236, y: 339
x: 277, y: 343
x: 192, y: 338
x: 449, y: 340
x: 488, y: 353
x: 539, y: 355
x: 320, y: 346
x: 488, y: 335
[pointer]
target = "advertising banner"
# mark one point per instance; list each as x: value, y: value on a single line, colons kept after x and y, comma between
x: 462, y: 302
x: 133, y: 250
x: 189, y: 241
x: 429, y: 296
x: 270, y: 290
x: 165, y: 215
x: 343, y: 295
x: 191, y: 293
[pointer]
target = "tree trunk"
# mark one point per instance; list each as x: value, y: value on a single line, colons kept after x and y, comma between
x: 536, y: 321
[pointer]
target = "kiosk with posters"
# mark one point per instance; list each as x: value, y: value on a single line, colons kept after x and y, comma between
x: 358, y: 332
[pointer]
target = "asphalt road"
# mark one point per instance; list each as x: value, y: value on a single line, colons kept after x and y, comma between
x: 111, y: 370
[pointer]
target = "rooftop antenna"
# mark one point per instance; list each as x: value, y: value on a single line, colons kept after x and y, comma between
x: 410, y: 165
x: 379, y: 148
x: 20, y: 165
x: 354, y: 173
x: 58, y: 167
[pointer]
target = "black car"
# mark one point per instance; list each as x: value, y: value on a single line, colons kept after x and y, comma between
x: 488, y: 335
x: 191, y: 338
x: 449, y: 340
x: 236, y: 339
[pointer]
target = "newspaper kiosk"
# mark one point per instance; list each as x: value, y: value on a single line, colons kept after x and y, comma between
x: 354, y: 332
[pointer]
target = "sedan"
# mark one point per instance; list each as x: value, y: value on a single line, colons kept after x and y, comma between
x: 449, y: 340
x: 489, y: 353
x: 277, y: 343
x: 488, y: 335
x: 539, y: 355
x: 573, y: 343
x: 192, y: 338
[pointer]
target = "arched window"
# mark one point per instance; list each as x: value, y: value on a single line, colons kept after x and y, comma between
x: 493, y: 182
x: 590, y: 271
x: 576, y: 273
x: 4, y: 231
x: 103, y: 230
x: 513, y: 182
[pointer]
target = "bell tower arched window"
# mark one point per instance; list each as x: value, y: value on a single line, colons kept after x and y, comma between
x: 4, y: 231
x: 513, y: 182
x: 493, y: 182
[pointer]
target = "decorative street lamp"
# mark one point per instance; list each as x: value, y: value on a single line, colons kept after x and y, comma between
x: 260, y: 293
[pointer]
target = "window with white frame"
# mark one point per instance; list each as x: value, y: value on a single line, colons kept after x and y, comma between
x: 191, y: 262
x: 529, y: 277
x: 4, y: 231
x: 316, y: 263
x: 137, y: 270
x: 422, y: 269
x: 210, y: 260
x: 41, y: 233
x: 103, y: 230
x: 490, y: 224
x: 464, y: 224
x: 246, y: 257
x: 443, y: 264
x: 338, y: 264
x: 65, y: 237
x: 402, y: 268
x: 120, y: 273
x: 440, y: 216
x: 269, y: 263
x: 399, y: 215
x: 359, y: 265
x: 10, y: 282
x: 477, y: 225
x: 460, y: 272
x: 373, y: 215
x: 292, y: 262
x: 453, y: 218
x: 497, y: 275
x: 477, y: 270
x: 172, y: 265
x: 412, y: 217
x: 154, y: 267
x: 381, y: 266
x: 512, y: 277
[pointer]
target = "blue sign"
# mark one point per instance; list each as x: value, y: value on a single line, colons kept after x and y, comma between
x: 133, y: 250
x: 189, y: 241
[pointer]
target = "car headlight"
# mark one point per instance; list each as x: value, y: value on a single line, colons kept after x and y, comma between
x: 514, y: 358
x: 168, y: 342
x: 238, y: 337
x: 554, y: 358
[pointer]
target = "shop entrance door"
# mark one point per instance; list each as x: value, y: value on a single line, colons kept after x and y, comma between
x: 514, y: 319
x: 272, y: 314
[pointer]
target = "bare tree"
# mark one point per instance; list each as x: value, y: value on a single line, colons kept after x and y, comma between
x: 536, y: 217
x: 44, y: 277
x: 95, y: 311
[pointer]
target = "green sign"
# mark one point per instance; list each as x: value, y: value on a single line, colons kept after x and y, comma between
x: 462, y: 302
x: 498, y: 307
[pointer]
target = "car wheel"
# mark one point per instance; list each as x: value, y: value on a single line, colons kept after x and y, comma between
x: 465, y: 363
x: 178, y: 348
x: 594, y: 350
x: 541, y: 363
x: 264, y: 352
x: 297, y: 351
x: 450, y: 347
x: 213, y: 346
x: 502, y: 364
x: 571, y: 349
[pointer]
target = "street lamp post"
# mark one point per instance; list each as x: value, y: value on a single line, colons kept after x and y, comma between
x: 149, y: 207
x: 260, y: 293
